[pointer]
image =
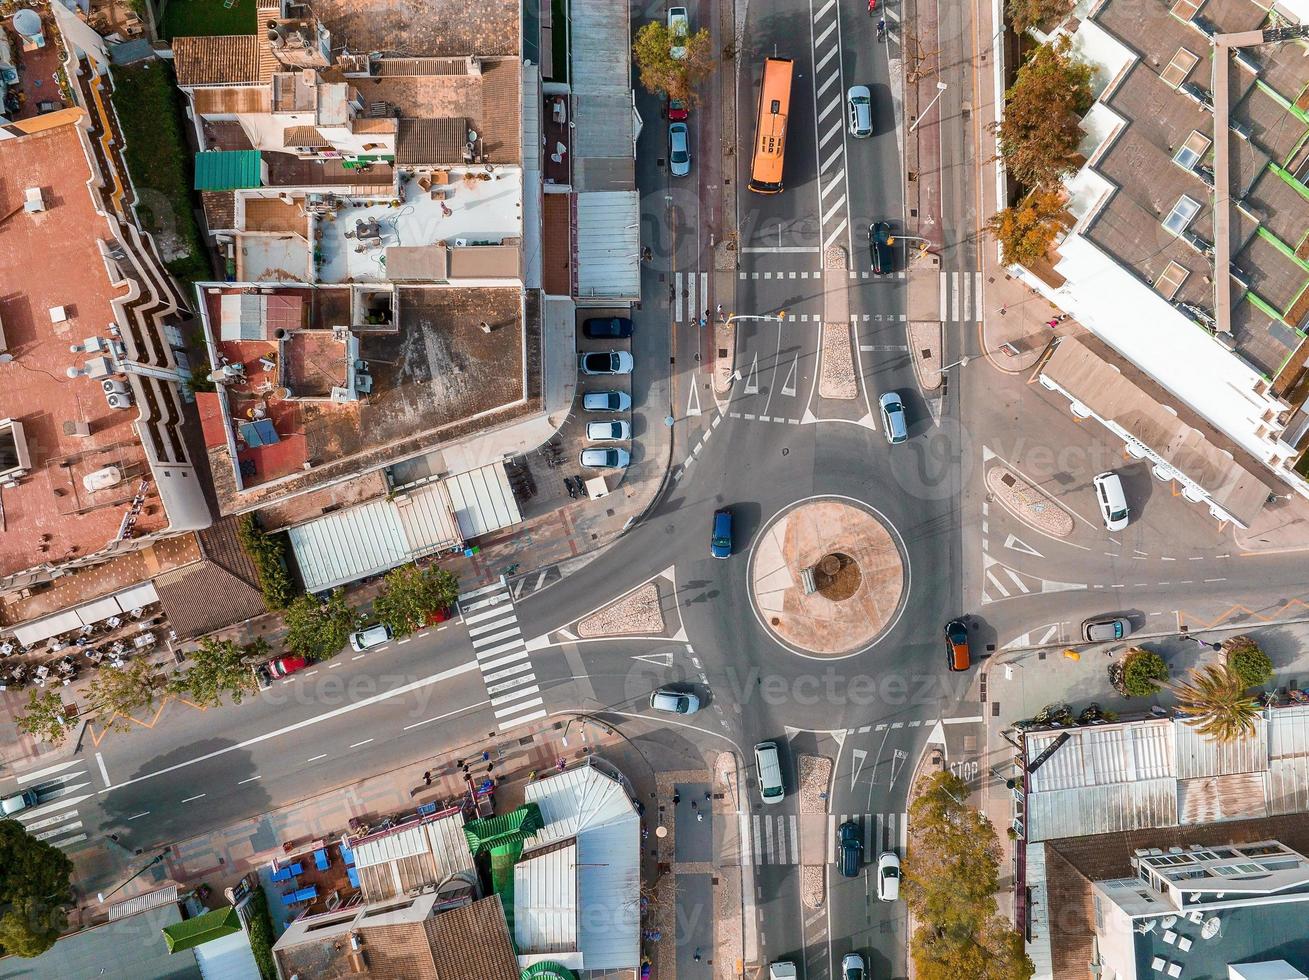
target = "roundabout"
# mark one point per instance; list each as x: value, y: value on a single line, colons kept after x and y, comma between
x: 827, y: 577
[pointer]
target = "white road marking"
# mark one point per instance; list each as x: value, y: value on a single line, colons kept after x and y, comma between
x: 28, y: 777
x: 104, y: 773
x: 251, y: 779
x: 143, y: 813
x: 198, y: 796
x: 364, y: 742
x: 316, y: 757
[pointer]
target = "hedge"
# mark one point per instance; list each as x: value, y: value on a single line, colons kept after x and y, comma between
x: 268, y: 552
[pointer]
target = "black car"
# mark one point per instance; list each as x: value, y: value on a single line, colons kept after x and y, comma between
x: 880, y: 253
x: 607, y: 328
x: 850, y: 849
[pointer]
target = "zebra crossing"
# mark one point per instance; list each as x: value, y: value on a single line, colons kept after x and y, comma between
x: 775, y: 838
x: 685, y: 305
x: 55, y: 818
x: 829, y: 102
x: 961, y: 297
x: 502, y: 655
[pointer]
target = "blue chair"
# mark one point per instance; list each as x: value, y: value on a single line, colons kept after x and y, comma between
x: 426, y: 809
x: 290, y: 898
x: 308, y: 893
x: 321, y: 860
x: 347, y: 855
x: 282, y: 874
x: 353, y: 874
x: 297, y: 868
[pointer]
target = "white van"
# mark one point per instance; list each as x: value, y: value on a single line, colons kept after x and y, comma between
x: 769, y: 764
x: 19, y: 801
x: 781, y: 970
x: 1112, y: 500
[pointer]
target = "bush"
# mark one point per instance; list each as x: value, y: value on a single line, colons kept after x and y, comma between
x: 268, y: 552
x: 1247, y: 661
x: 260, y: 931
x: 1143, y: 673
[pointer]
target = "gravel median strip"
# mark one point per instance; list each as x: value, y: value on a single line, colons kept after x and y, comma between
x: 836, y: 376
x: 1030, y: 504
x: 638, y: 612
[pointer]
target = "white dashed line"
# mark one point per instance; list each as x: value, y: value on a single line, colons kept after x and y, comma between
x: 190, y: 798
x: 364, y: 742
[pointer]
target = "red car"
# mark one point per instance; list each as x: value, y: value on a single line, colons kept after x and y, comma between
x: 277, y: 668
x: 678, y: 111
x: 437, y: 616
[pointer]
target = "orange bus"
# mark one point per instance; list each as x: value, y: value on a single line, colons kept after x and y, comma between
x: 770, y: 127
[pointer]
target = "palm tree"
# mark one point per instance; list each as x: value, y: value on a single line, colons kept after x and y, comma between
x: 1214, y: 700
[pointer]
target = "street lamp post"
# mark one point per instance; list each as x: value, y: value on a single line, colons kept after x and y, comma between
x: 940, y: 90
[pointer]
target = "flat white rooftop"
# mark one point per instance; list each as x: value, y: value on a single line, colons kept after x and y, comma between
x: 352, y: 248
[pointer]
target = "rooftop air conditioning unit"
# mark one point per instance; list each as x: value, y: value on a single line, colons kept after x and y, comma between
x: 112, y: 386
x: 119, y: 400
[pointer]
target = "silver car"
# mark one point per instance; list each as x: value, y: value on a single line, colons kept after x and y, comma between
x: 852, y: 967
x: 859, y: 111
x: 606, y: 401
x: 679, y: 149
x: 608, y: 431
x: 602, y: 459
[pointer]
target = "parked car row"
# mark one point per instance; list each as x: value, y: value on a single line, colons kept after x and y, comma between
x: 599, y: 364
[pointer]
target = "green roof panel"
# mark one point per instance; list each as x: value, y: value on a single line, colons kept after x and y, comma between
x: 190, y: 933
x: 228, y: 170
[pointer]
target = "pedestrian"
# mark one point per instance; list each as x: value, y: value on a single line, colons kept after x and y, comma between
x: 697, y: 954
x: 694, y: 805
x: 699, y: 817
x: 707, y: 795
x: 490, y: 767
x: 427, y: 778
x: 1053, y: 323
x: 719, y: 311
x: 677, y: 797
x: 486, y: 756
x: 459, y: 763
x: 704, y: 321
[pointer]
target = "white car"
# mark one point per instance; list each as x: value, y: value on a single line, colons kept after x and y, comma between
x: 604, y: 459
x: 679, y: 149
x: 1112, y: 500
x: 606, y: 401
x: 679, y: 25
x: 888, y: 876
x: 677, y: 702
x: 605, y: 362
x: 859, y: 111
x: 608, y: 431
x: 370, y: 636
x: 852, y: 967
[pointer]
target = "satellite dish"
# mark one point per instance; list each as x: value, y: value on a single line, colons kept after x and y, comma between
x: 6, y: 358
x: 27, y: 22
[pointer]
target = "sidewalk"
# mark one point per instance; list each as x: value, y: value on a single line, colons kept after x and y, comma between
x: 223, y: 856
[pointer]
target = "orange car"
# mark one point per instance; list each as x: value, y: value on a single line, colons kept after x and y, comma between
x: 957, y: 656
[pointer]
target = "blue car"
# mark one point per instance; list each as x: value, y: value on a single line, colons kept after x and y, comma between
x: 720, y: 545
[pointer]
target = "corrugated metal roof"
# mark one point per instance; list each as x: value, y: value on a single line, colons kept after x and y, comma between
x: 483, y: 501
x: 1287, y: 785
x: 1103, y: 754
x: 604, y: 125
x: 609, y: 245
x: 402, y: 843
x: 1235, y: 796
x: 1101, y: 809
x: 545, y: 901
x: 408, y: 857
x: 426, y: 518
x: 1288, y: 732
x: 593, y: 807
x: 1199, y: 756
x: 349, y: 544
x: 228, y: 170
x: 601, y: 46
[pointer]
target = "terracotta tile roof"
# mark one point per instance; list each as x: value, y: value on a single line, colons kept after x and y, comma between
x: 239, y: 59
x: 228, y: 101
x: 431, y: 141
x: 502, y: 95
x: 472, y: 943
x: 556, y: 250
x: 389, y: 67
x: 380, y: 124
x: 220, y: 209
x: 187, y: 593
x: 303, y: 136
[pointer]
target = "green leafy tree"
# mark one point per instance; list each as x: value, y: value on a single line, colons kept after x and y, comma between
x: 409, y: 593
x: 1027, y: 230
x: 219, y: 668
x: 44, y: 717
x: 319, y: 630
x: 1025, y: 14
x: 678, y: 78
x: 1214, y: 703
x: 951, y: 873
x: 268, y: 552
x: 1040, y: 131
x: 953, y: 853
x: 1247, y: 661
x: 1144, y: 672
x: 34, y: 888
x: 117, y: 693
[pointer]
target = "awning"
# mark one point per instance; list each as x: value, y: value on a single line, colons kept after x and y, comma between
x: 373, y: 537
x: 43, y: 629
x: 137, y: 596
x: 94, y: 612
x: 483, y: 500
